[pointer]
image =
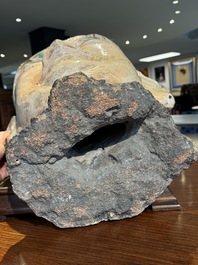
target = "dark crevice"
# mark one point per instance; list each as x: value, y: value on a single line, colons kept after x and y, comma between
x: 104, y: 137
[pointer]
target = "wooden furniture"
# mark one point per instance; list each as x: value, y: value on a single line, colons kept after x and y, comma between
x: 188, y: 100
x: 6, y: 108
x: 151, y: 238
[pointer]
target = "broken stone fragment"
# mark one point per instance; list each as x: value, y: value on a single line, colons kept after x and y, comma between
x: 99, y: 152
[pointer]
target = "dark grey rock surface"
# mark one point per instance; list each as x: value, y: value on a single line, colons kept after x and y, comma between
x: 99, y: 152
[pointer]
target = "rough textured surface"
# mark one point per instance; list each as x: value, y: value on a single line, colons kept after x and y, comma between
x: 99, y: 152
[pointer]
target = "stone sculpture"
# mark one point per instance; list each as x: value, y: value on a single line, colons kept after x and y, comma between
x: 93, y: 55
x: 98, y: 149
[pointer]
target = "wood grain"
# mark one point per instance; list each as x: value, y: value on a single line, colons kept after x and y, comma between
x: 151, y: 238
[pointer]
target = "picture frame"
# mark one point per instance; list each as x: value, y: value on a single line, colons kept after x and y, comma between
x: 144, y: 71
x: 160, y: 74
x: 182, y: 71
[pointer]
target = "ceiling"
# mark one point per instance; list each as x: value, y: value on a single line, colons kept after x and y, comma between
x: 119, y: 20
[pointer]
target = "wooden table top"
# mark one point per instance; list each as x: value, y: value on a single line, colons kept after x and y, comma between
x: 152, y: 238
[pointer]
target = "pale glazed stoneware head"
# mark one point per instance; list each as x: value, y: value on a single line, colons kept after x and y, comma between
x: 94, y: 55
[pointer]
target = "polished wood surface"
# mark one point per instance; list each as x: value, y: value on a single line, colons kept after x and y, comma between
x: 152, y: 238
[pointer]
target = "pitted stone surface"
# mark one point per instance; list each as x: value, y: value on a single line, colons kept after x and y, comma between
x: 99, y: 152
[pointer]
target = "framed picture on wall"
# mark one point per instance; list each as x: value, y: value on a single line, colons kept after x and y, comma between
x: 144, y: 71
x: 182, y: 72
x: 160, y: 74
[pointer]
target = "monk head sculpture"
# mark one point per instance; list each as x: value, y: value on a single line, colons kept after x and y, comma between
x: 94, y: 55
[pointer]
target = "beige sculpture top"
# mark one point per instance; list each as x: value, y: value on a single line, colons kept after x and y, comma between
x: 94, y: 55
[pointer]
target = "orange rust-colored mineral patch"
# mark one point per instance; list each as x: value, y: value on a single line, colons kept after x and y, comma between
x: 80, y: 212
x: 76, y: 82
x: 101, y: 103
x: 116, y: 88
x: 180, y: 159
x: 132, y: 108
x: 37, y: 139
x: 41, y: 193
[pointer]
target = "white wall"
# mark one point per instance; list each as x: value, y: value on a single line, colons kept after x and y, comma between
x: 167, y: 83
